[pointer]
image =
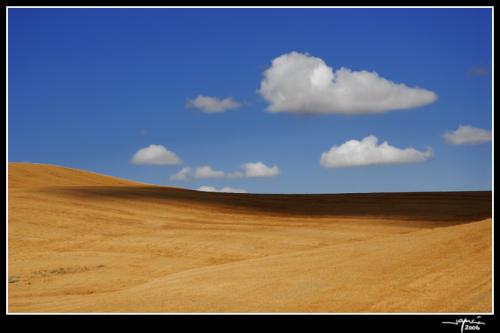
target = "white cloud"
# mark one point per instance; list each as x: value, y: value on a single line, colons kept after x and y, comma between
x: 155, y: 155
x: 366, y: 152
x: 301, y: 83
x: 213, y: 104
x: 183, y: 174
x: 466, y: 134
x: 207, y: 172
x: 205, y: 188
x: 259, y: 169
x: 233, y: 190
x: 224, y: 189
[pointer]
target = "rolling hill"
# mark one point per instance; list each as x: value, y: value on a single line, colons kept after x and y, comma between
x: 84, y: 242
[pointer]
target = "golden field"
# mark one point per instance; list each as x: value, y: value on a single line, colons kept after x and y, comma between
x: 84, y: 242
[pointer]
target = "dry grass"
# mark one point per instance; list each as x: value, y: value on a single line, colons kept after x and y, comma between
x: 82, y: 242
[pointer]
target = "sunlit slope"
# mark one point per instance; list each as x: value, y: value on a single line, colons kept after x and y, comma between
x: 82, y: 242
x: 29, y: 175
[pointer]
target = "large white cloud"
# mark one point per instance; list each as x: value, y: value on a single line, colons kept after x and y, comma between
x: 209, y: 104
x: 227, y: 189
x: 301, y: 83
x: 207, y: 172
x: 355, y: 153
x: 259, y: 169
x: 467, y: 135
x: 155, y: 155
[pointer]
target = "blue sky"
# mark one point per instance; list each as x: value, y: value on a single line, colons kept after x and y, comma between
x: 88, y: 88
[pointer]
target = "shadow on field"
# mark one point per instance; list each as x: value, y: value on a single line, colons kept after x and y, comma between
x: 432, y: 206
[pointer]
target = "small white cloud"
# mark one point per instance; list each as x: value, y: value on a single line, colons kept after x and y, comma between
x: 205, y: 188
x: 183, y: 174
x: 301, y: 83
x: 467, y: 135
x: 259, y: 169
x: 355, y: 153
x: 224, y: 189
x: 155, y: 155
x: 213, y: 104
x: 233, y: 190
x: 207, y: 172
